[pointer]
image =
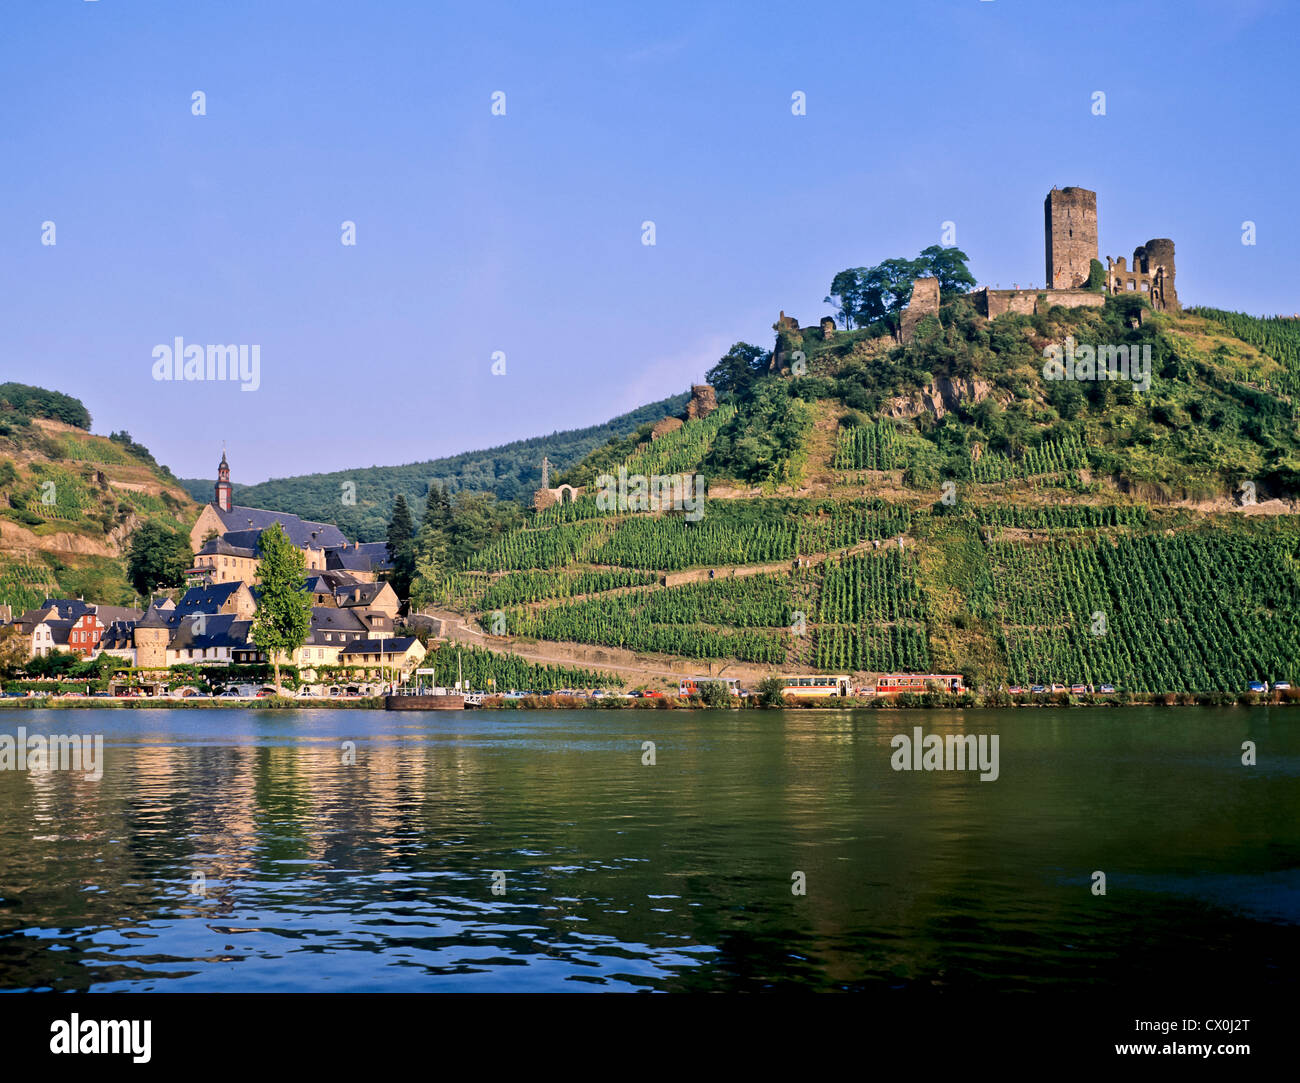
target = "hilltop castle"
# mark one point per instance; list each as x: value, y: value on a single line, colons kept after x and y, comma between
x: 1070, y: 246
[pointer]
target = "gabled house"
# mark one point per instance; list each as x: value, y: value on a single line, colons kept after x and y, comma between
x: 397, y: 654
x: 232, y: 597
x: 84, y: 633
x: 50, y: 635
x: 208, y: 638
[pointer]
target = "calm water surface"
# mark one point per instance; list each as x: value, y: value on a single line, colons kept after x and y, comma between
x: 378, y: 876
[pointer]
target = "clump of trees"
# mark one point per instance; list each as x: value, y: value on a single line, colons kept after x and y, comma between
x: 32, y: 401
x: 157, y: 558
x: 866, y: 295
x: 454, y: 528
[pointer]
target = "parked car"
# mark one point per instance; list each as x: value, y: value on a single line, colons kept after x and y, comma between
x: 653, y: 693
x: 1037, y: 689
x: 1281, y: 686
x: 1016, y: 690
x: 1079, y: 689
x: 1257, y: 686
x: 1106, y: 689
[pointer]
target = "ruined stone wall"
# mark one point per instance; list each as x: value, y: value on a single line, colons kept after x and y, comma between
x: 667, y: 425
x: 1152, y: 274
x: 1070, y: 299
x: 924, y: 302
x: 1070, y: 232
x: 547, y: 498
x: 704, y: 400
x: 993, y: 303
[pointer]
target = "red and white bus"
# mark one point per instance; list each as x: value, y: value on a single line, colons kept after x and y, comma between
x: 891, y: 684
x: 690, y: 686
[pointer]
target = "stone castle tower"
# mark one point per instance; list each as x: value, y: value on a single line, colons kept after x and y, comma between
x: 222, y: 490
x: 1070, y: 231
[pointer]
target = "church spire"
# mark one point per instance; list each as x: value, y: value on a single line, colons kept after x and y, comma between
x: 222, y: 491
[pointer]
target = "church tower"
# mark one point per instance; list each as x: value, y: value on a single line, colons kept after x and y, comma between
x: 223, y: 488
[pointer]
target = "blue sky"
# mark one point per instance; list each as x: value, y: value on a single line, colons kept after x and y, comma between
x: 522, y: 233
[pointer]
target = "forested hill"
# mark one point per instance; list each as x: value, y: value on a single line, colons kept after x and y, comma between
x: 510, y: 471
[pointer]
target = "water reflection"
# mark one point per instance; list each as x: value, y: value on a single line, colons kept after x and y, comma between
x: 318, y: 874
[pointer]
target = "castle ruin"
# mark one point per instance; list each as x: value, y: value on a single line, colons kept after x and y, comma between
x: 1070, y: 235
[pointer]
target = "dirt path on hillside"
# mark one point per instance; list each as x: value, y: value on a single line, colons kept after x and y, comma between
x: 582, y: 655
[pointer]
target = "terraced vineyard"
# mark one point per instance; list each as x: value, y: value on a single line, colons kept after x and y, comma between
x: 1277, y: 336
x: 869, y: 447
x: 1200, y: 611
x: 505, y: 672
x: 749, y: 532
x: 678, y: 620
x: 1050, y: 457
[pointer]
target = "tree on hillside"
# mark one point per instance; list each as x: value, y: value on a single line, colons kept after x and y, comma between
x: 736, y: 372
x: 283, y: 618
x: 401, y: 547
x: 157, y: 557
x: 38, y: 402
x: 437, y: 508
x: 430, y: 557
x: 846, y: 295
x: 948, y: 265
x: 864, y: 295
x: 476, y: 519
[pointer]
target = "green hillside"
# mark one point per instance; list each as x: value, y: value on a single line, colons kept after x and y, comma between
x: 1019, y: 530
x: 70, y: 501
x: 509, y: 471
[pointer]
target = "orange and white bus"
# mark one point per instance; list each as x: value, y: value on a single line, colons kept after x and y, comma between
x: 817, y: 687
x: 891, y: 684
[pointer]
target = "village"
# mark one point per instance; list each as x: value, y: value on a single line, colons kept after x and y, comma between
x: 173, y: 645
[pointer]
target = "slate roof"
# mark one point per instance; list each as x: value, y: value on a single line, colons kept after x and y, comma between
x: 208, y: 599
x: 218, y: 630
x: 361, y: 557
x: 335, y: 622
x: 389, y: 645
x: 301, y: 531
x: 330, y: 581
x: 110, y: 613
x: 360, y: 594
x: 69, y: 608
x: 221, y: 547
x: 159, y: 618
x: 117, y: 636
x: 59, y: 630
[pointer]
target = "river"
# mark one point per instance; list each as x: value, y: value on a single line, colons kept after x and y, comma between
x: 332, y: 851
